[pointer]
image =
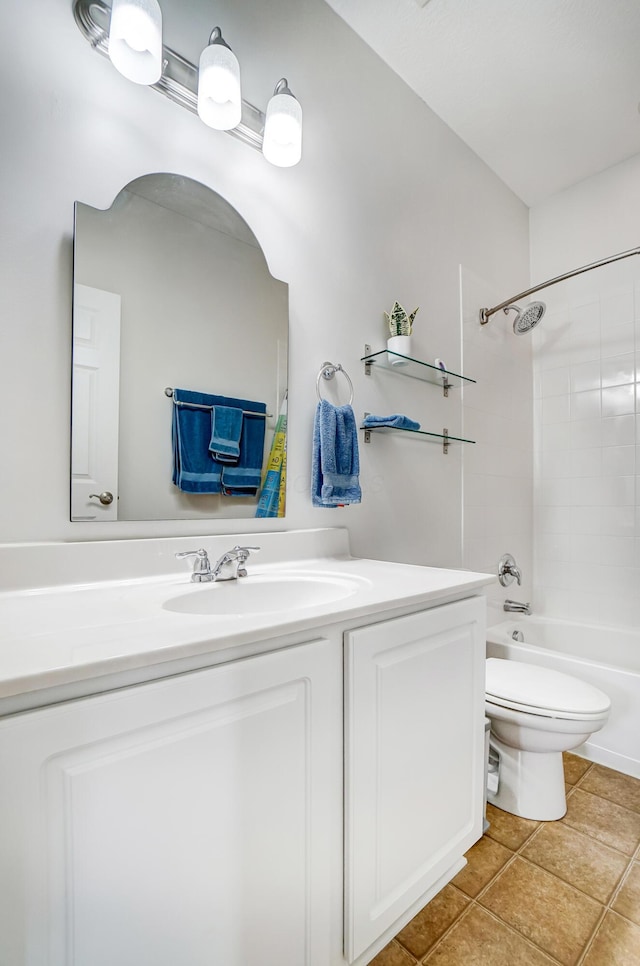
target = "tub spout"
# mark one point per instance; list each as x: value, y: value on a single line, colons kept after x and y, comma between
x: 517, y: 607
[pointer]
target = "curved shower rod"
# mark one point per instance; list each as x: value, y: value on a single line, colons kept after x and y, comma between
x: 485, y: 314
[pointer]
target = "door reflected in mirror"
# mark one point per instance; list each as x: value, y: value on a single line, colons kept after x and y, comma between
x: 172, y: 291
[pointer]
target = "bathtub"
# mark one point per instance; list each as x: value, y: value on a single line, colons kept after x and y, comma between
x: 607, y: 657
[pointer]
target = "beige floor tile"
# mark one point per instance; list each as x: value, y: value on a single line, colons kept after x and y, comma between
x: 588, y: 865
x: 480, y: 940
x: 627, y: 902
x: 619, y: 788
x: 549, y: 912
x: 603, y: 820
x: 484, y: 860
x: 432, y: 922
x: 574, y: 767
x: 617, y: 943
x: 509, y: 830
x: 393, y: 955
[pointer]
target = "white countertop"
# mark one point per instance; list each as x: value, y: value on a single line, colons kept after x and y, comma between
x: 53, y: 636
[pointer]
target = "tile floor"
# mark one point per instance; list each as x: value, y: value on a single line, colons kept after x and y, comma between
x: 563, y: 893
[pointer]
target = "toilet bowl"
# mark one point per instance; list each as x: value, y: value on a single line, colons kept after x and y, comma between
x: 535, y: 715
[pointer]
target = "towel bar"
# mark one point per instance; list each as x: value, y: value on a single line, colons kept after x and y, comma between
x: 245, y: 412
x: 328, y: 371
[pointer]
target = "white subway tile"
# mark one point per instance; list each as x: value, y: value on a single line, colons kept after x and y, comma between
x: 617, y: 551
x: 586, y: 432
x: 586, y: 519
x: 558, y: 463
x: 585, y: 405
x: 586, y: 491
x: 586, y: 462
x: 585, y: 376
x: 618, y: 491
x: 619, y: 461
x: 585, y: 548
x: 555, y: 409
x: 618, y: 520
x: 556, y: 382
x: 616, y: 306
x: 618, y: 401
x: 618, y: 340
x: 618, y: 430
x: 555, y: 436
x: 553, y: 519
x: 618, y: 370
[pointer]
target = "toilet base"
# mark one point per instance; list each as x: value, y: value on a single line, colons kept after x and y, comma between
x: 531, y: 783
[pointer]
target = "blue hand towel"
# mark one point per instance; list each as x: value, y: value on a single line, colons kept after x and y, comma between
x: 396, y: 420
x: 193, y: 469
x: 226, y: 427
x: 245, y: 477
x: 335, y: 461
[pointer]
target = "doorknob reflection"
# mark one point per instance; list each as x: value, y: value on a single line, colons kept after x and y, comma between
x: 105, y: 498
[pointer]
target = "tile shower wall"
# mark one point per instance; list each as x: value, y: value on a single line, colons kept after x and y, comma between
x: 587, y: 438
x: 498, y: 469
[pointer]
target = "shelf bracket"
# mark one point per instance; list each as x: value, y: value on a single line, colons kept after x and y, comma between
x: 367, y: 432
x: 445, y: 386
x: 445, y: 441
x: 367, y: 366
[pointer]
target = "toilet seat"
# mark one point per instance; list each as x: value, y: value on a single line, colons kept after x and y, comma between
x: 542, y: 691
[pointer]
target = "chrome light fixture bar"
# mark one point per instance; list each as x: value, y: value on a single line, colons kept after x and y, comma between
x: 179, y: 78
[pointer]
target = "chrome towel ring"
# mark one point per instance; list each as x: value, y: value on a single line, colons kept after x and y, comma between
x: 328, y: 371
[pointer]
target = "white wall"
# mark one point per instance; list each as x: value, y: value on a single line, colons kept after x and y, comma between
x: 587, y: 427
x: 385, y: 205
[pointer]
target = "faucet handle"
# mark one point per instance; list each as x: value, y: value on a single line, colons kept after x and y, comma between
x: 508, y: 570
x: 201, y: 565
x: 242, y: 557
x: 245, y: 551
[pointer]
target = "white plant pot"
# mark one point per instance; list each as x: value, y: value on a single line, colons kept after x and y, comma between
x: 399, y: 343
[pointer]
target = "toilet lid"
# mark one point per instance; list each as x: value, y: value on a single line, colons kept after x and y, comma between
x: 540, y: 689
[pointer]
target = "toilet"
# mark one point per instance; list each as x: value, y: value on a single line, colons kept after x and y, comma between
x: 535, y: 715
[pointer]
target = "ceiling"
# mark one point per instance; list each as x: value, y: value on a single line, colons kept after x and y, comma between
x: 546, y: 92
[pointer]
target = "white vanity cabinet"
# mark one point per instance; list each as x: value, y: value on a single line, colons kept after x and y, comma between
x: 414, y: 740
x: 195, y: 820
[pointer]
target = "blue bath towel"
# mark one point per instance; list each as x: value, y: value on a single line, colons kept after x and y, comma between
x: 226, y: 429
x: 244, y: 478
x: 396, y: 421
x: 194, y: 469
x: 335, y: 461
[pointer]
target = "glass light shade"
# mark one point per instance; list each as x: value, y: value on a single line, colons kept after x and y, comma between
x: 135, y: 40
x: 282, y: 144
x: 219, y: 98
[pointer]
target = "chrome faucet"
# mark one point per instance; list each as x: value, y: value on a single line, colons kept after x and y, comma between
x: 201, y: 566
x: 231, y: 564
x: 517, y: 607
x: 508, y: 570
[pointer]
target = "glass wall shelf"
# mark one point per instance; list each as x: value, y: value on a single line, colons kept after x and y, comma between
x: 444, y: 435
x: 415, y: 368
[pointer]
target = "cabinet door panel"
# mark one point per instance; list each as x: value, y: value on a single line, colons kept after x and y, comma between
x: 415, y: 712
x: 186, y: 821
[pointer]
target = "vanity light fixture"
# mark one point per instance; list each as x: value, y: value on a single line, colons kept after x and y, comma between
x: 219, y: 100
x: 282, y: 144
x: 135, y: 40
x: 182, y: 82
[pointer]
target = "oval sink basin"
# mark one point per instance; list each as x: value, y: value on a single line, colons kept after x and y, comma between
x: 261, y: 594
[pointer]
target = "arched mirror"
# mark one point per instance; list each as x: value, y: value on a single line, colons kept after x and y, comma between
x: 178, y: 325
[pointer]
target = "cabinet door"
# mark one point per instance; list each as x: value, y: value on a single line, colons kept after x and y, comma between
x: 414, y: 761
x: 191, y: 821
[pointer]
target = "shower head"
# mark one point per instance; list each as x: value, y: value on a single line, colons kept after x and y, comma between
x: 526, y: 319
